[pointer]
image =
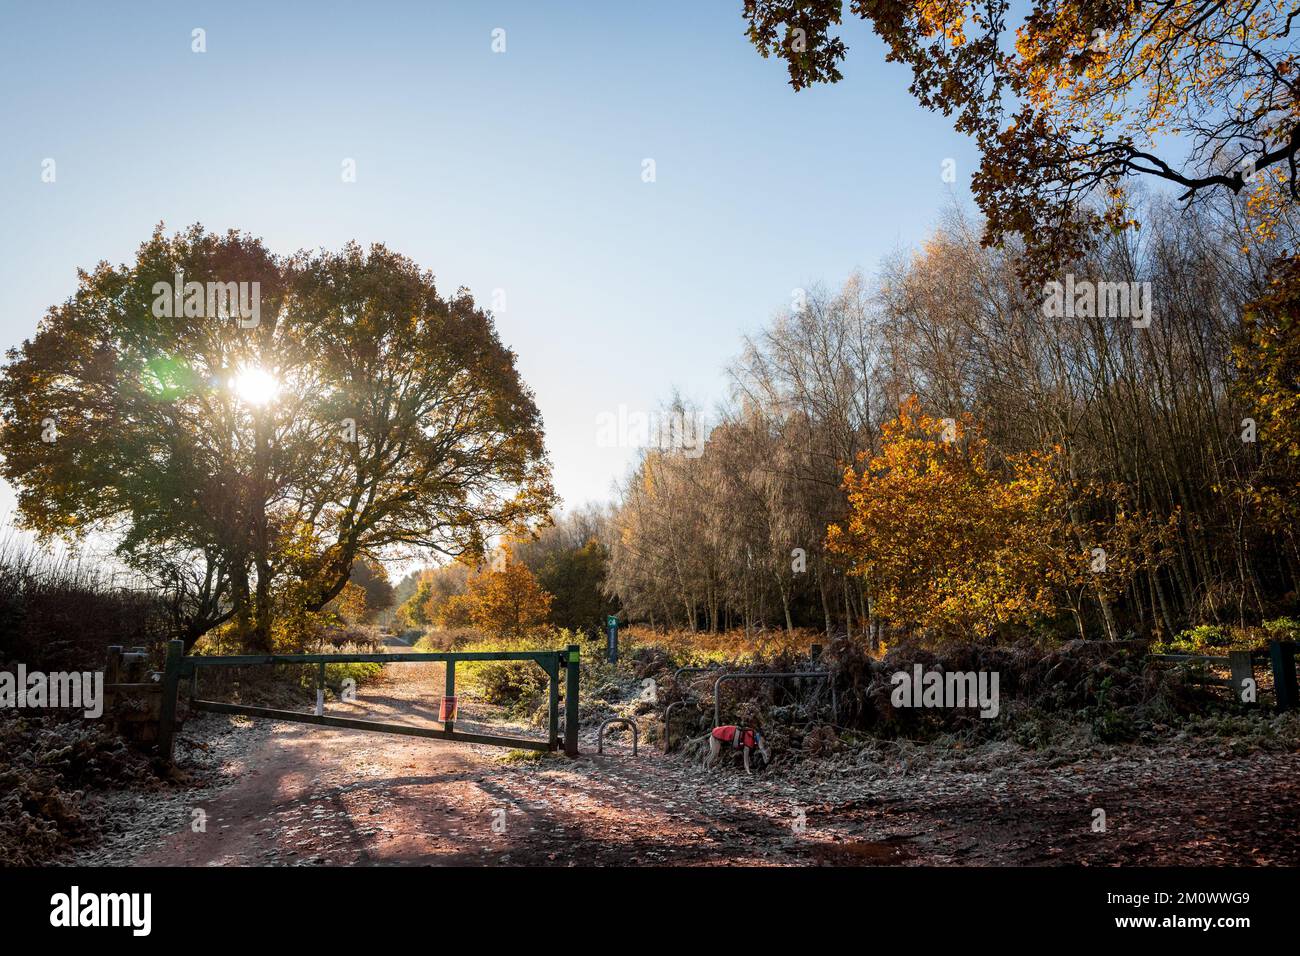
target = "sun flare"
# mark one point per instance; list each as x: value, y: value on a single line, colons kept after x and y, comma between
x: 255, y: 386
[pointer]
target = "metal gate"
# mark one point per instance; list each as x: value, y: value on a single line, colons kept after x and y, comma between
x: 179, y: 667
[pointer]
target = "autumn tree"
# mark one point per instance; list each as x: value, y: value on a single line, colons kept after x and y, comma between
x: 416, y: 610
x: 575, y: 578
x: 570, y: 559
x: 245, y: 460
x: 450, y: 614
x: 351, y: 604
x: 1143, y: 426
x: 371, y: 577
x: 503, y: 599
x: 1080, y: 96
x: 808, y: 390
x: 958, y: 545
x: 1268, y: 357
x: 428, y: 590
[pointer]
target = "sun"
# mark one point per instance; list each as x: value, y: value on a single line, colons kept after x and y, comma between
x: 255, y: 386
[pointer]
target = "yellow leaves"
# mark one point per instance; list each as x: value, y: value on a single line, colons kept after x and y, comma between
x: 1149, y: 70
x: 1267, y: 362
x: 501, y: 600
x: 942, y: 18
x: 960, y: 545
x: 351, y: 603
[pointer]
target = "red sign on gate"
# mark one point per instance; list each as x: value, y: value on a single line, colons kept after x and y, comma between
x: 447, y: 711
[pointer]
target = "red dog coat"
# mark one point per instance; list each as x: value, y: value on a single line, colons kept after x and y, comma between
x: 729, y: 733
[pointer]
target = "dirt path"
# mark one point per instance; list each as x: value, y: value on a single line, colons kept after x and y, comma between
x: 311, y: 795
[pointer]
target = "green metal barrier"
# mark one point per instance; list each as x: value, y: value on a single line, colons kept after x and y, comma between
x: 178, y: 666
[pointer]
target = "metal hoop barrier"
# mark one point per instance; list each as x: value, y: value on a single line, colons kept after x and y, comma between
x: 668, y: 716
x: 600, y: 737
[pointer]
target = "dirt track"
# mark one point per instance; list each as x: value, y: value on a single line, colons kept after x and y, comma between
x: 311, y: 795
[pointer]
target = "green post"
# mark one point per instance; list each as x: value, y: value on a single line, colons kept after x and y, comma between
x: 571, y: 701
x: 167, y: 707
x: 449, y: 725
x: 553, y: 669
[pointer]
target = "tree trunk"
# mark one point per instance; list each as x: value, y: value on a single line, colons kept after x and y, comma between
x: 826, y: 605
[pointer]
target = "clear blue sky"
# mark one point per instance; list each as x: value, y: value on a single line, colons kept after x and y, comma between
x: 519, y: 170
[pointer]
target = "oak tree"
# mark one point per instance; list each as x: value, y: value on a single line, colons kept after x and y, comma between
x: 1079, y: 96
x: 246, y: 462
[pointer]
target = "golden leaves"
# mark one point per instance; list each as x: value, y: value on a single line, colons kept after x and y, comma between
x: 960, y: 544
x: 501, y: 600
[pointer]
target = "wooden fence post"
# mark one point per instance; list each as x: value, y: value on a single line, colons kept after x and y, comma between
x: 171, y: 680
x: 1282, y: 654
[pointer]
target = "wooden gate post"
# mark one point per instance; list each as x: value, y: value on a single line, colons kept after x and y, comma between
x: 171, y: 680
x: 571, y: 701
x: 1282, y: 654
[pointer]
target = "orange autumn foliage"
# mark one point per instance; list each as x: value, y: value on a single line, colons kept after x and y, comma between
x: 1268, y: 362
x: 955, y: 543
x: 502, y: 600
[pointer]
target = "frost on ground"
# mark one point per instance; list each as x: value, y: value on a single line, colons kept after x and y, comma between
x: 279, y: 793
x: 211, y: 754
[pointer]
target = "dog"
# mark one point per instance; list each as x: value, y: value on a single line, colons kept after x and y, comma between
x: 746, y: 737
